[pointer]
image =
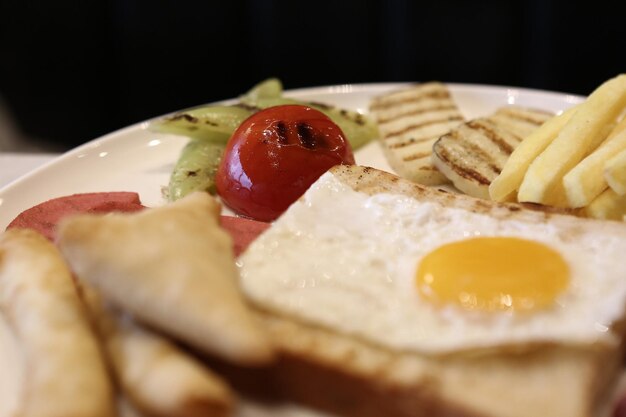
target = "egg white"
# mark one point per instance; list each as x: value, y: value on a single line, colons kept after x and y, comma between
x: 347, y: 261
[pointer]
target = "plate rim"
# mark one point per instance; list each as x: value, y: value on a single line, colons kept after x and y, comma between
x: 327, y: 89
x: 338, y: 89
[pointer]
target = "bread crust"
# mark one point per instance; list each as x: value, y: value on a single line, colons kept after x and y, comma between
x: 344, y: 376
x: 372, y: 181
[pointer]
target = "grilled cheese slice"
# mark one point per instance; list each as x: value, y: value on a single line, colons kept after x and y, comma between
x: 520, y: 121
x: 409, y: 122
x: 473, y: 154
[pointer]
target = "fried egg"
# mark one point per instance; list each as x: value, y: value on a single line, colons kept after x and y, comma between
x: 418, y: 276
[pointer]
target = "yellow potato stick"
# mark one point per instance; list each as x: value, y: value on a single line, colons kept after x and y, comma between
x: 615, y: 173
x: 580, y: 136
x: 504, y: 186
x: 586, y: 180
x: 619, y: 128
x: 607, y: 206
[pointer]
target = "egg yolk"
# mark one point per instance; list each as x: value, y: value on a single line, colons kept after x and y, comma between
x: 493, y: 274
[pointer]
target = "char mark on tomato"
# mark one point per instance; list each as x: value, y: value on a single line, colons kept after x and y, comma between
x: 281, y: 130
x: 307, y: 135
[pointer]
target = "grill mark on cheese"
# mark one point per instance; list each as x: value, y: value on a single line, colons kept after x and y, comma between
x: 476, y: 151
x: 516, y: 138
x: 461, y: 171
x: 411, y: 141
x: 524, y: 117
x: 437, y: 94
x: 492, y: 135
x: 423, y: 124
x: 383, y: 121
x: 414, y: 157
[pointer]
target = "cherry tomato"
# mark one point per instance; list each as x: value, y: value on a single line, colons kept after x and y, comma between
x: 274, y: 156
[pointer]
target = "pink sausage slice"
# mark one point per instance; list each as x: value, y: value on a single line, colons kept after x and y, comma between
x: 44, y: 216
x: 243, y: 231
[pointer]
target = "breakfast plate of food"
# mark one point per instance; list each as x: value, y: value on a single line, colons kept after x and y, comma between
x: 356, y: 250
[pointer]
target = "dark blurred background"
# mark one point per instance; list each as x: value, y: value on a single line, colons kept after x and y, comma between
x: 71, y: 70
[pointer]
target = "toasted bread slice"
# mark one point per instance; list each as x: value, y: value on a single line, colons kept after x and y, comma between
x: 409, y: 122
x: 350, y: 375
x: 65, y: 372
x: 145, y: 363
x: 473, y: 154
x: 190, y: 294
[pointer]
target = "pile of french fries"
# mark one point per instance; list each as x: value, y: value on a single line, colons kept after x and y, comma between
x: 576, y: 160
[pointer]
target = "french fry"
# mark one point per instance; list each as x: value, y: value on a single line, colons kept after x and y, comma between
x: 619, y: 128
x: 615, y: 172
x: 586, y: 180
x: 505, y: 185
x: 607, y: 206
x: 587, y: 128
x: 145, y: 365
x: 65, y: 372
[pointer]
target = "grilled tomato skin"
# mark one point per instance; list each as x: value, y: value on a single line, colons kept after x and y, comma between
x: 274, y: 156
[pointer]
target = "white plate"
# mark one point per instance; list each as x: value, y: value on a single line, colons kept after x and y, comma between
x: 135, y: 159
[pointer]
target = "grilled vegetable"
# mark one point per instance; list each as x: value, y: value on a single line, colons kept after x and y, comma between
x: 270, y: 88
x: 211, y: 126
x: 202, y: 122
x: 196, y: 167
